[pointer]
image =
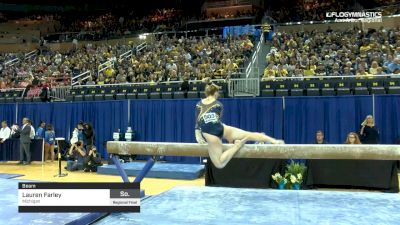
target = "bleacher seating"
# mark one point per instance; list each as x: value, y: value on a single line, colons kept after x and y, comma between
x: 331, y: 87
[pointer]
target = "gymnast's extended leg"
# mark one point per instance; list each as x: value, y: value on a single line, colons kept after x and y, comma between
x: 232, y: 133
x: 218, y: 156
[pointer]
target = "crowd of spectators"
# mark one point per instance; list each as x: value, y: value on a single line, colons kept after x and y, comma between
x: 166, y: 59
x: 53, y: 68
x: 176, y: 59
x: 334, y: 53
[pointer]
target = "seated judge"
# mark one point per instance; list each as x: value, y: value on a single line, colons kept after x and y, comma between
x: 352, y: 139
x: 320, y: 138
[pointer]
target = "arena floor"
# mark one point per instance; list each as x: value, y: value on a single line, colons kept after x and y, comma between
x: 237, y: 206
x: 45, y: 172
x: 171, y: 199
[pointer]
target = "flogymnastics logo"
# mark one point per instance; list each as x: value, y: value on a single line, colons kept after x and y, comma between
x: 352, y: 17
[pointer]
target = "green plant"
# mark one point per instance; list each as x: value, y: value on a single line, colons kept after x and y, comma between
x: 294, y: 173
x: 295, y: 168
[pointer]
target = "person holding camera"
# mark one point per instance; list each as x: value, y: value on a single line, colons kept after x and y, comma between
x: 93, y: 160
x: 76, y: 157
x: 77, y: 134
x: 15, y: 132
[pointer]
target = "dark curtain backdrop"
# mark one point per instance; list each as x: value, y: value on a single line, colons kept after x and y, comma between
x: 387, y: 117
x: 173, y: 120
x: 164, y: 120
x: 255, y: 114
x: 7, y: 112
x: 106, y: 117
x: 335, y: 116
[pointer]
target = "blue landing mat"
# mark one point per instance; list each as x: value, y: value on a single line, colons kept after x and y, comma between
x: 9, y: 209
x: 9, y: 175
x: 159, y: 170
x: 234, y: 206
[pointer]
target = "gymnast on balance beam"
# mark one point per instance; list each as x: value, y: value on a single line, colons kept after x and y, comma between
x: 209, y: 125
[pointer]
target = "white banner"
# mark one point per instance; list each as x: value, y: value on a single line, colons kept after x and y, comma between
x: 72, y: 197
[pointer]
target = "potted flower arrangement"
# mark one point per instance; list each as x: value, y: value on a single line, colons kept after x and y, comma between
x: 296, y: 180
x: 280, y: 180
x: 294, y: 174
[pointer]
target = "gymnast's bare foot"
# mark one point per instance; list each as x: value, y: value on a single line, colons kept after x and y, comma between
x: 278, y: 142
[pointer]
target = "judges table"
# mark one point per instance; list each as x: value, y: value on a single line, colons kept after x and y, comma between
x: 256, y: 173
x: 367, y: 174
x: 248, y: 173
x: 9, y: 150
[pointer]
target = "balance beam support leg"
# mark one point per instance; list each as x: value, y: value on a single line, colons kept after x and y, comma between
x: 121, y: 170
x: 147, y: 167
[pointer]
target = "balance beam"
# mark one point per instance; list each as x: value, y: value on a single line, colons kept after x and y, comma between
x: 267, y: 151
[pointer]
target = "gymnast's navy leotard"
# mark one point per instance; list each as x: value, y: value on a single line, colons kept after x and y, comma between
x: 209, y: 118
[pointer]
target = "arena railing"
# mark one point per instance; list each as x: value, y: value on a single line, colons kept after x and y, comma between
x: 30, y: 54
x: 12, y: 89
x: 105, y: 65
x: 11, y: 62
x: 254, y: 58
x: 17, y: 60
x: 146, y: 83
x: 126, y: 55
x: 59, y: 92
x: 81, y: 77
x: 135, y: 50
x: 19, y: 89
x: 244, y: 87
x: 141, y: 47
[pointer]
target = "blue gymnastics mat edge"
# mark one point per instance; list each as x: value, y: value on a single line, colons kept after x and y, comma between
x: 10, y: 175
x: 159, y: 170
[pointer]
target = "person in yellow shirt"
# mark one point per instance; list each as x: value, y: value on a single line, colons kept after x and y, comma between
x: 282, y: 72
x: 109, y: 72
x: 310, y: 70
x: 361, y: 73
x: 134, y: 61
x: 100, y: 79
x: 365, y: 48
x: 374, y: 68
x: 269, y: 72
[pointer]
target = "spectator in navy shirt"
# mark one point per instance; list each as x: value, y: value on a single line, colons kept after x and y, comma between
x: 49, y: 141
